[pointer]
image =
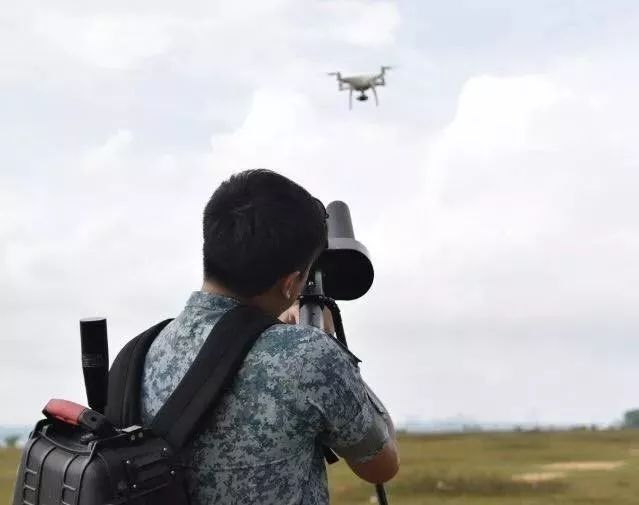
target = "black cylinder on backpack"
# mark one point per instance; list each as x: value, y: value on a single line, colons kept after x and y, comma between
x: 95, y: 361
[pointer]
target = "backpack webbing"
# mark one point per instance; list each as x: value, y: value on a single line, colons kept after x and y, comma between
x: 210, y: 374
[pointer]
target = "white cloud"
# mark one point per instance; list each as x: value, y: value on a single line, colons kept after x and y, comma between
x: 518, y: 235
x: 110, y: 41
x: 364, y: 22
x: 498, y: 113
x: 108, y: 156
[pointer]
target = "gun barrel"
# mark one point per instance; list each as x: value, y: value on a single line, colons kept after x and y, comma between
x: 340, y: 224
x: 345, y: 264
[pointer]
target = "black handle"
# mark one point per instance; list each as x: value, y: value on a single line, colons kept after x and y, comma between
x: 78, y: 415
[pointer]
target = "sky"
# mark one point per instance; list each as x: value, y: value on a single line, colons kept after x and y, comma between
x: 494, y: 186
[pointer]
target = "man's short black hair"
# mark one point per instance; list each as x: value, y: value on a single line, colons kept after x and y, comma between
x: 259, y: 226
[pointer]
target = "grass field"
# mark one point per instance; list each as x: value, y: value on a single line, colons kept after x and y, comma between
x: 9, y: 459
x: 569, y: 468
x: 478, y: 469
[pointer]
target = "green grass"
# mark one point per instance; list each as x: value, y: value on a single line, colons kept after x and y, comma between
x: 477, y: 469
x: 9, y: 459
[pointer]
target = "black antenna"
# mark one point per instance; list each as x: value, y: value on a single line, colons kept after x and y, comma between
x: 95, y: 361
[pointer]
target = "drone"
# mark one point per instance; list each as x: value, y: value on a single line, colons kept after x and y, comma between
x: 361, y: 83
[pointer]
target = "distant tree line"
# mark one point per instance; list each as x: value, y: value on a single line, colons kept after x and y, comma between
x: 631, y: 419
x: 11, y: 441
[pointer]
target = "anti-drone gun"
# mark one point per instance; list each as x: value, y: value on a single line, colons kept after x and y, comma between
x: 343, y: 271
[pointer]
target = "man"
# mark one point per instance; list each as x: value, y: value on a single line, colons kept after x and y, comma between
x: 298, y: 390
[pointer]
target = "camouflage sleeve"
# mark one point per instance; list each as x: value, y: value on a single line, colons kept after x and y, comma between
x: 335, y: 400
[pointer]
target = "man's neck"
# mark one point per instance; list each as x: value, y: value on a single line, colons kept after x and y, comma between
x: 260, y: 301
x: 217, y: 289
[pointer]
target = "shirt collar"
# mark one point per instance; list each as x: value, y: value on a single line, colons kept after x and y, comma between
x: 211, y: 301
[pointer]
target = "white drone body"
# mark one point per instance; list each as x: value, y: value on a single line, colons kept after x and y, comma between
x: 361, y: 83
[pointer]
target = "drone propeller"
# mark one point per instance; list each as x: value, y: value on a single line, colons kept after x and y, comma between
x: 340, y: 82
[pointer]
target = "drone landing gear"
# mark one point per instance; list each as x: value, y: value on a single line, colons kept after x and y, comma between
x: 362, y: 97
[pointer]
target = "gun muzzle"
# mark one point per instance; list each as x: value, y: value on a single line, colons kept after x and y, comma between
x: 346, y: 267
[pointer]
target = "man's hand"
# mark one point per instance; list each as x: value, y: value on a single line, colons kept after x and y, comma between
x: 292, y: 316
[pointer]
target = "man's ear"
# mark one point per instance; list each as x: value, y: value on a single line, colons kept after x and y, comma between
x: 287, y: 284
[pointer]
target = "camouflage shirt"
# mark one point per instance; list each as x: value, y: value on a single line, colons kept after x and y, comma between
x: 296, y: 390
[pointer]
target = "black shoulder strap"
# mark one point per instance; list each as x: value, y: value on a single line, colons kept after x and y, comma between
x: 125, y: 376
x: 212, y: 371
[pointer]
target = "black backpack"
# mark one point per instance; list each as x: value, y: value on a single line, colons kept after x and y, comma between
x: 77, y: 456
